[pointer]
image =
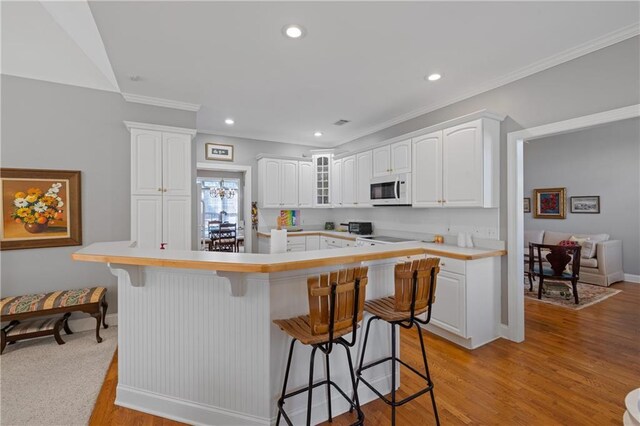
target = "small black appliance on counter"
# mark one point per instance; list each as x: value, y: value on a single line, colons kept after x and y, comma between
x: 360, y: 228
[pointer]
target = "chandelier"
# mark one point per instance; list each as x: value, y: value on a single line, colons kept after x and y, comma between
x: 221, y: 191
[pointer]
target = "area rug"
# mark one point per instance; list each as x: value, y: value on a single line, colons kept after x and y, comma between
x: 43, y: 383
x: 587, y: 294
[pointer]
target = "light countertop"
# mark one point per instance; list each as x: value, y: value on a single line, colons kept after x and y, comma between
x: 320, y: 232
x: 122, y: 252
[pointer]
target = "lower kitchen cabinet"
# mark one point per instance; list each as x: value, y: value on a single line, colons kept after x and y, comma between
x: 297, y: 243
x: 467, y: 304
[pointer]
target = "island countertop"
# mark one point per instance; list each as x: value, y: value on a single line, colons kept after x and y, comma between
x: 124, y: 252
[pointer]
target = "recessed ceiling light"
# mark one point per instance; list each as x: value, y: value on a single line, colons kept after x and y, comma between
x: 135, y: 78
x: 317, y: 134
x: 229, y: 121
x: 434, y: 77
x: 293, y: 31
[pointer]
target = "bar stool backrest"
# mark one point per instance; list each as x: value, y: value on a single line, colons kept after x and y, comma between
x: 347, y: 311
x: 424, y: 270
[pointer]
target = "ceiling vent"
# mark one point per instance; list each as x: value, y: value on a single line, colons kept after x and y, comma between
x: 341, y: 122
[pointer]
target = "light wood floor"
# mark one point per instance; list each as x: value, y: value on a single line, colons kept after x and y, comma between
x: 574, y: 368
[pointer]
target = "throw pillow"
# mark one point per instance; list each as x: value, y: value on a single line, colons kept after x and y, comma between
x: 567, y: 243
x: 579, y: 240
x: 588, y: 249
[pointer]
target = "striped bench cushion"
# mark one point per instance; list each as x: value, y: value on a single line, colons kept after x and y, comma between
x: 45, y: 301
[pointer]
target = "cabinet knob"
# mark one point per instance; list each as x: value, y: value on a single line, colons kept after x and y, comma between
x: 164, y: 190
x: 443, y: 264
x: 159, y: 189
x: 439, y: 201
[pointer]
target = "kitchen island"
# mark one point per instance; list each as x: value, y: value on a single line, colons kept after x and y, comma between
x: 196, y: 342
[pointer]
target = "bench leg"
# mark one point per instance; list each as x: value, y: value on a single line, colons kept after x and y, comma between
x: 66, y: 323
x: 105, y: 306
x: 98, y: 317
x: 56, y: 330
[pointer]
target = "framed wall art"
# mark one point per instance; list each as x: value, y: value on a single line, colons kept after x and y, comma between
x: 549, y: 203
x: 585, y: 204
x: 40, y: 208
x: 527, y: 205
x: 218, y: 152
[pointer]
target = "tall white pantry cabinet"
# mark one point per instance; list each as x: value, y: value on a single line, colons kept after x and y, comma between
x: 160, y: 186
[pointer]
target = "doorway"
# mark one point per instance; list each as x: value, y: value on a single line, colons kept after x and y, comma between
x: 235, y: 210
x: 515, y: 195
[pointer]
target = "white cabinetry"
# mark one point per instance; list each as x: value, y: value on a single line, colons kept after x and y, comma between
x: 160, y: 186
x: 305, y: 184
x: 392, y: 159
x: 278, y: 183
x: 296, y: 243
x: 458, y: 166
x: 349, y: 178
x: 336, y: 184
x: 467, y: 305
x: 312, y: 242
x: 363, y: 179
x: 323, y: 180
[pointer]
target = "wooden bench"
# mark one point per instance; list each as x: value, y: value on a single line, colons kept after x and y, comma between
x: 16, y: 309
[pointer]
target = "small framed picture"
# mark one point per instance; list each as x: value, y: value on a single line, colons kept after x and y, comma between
x: 527, y: 205
x: 549, y: 203
x: 218, y: 152
x: 585, y: 204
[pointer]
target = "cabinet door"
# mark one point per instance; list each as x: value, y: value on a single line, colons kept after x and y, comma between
x: 305, y: 184
x: 312, y: 242
x: 176, y: 224
x: 336, y: 184
x: 462, y: 165
x: 382, y: 161
x: 289, y: 183
x: 427, y: 170
x: 324, y: 243
x: 146, y: 221
x: 363, y: 181
x: 449, y: 309
x: 176, y: 164
x: 146, y: 162
x: 349, y: 181
x: 270, y: 184
x: 322, y: 180
x: 401, y: 157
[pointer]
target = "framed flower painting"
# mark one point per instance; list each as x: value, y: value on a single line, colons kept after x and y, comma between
x: 549, y: 203
x: 40, y: 208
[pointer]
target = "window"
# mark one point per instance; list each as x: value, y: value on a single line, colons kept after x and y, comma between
x: 212, y: 206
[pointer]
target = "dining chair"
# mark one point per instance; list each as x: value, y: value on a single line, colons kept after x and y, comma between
x: 555, y: 268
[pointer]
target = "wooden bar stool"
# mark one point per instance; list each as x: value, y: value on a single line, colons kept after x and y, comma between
x: 415, y: 289
x: 336, y: 302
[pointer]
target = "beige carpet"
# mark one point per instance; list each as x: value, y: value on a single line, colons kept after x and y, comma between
x: 588, y: 295
x: 43, y: 383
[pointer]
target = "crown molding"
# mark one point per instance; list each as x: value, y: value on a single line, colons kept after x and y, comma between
x: 249, y: 136
x: 159, y: 127
x: 165, y: 103
x: 607, y: 40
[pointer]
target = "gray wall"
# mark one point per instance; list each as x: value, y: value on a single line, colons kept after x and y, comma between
x: 55, y: 126
x: 603, y: 80
x: 602, y: 161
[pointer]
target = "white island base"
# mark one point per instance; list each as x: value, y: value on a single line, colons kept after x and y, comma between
x: 190, y: 350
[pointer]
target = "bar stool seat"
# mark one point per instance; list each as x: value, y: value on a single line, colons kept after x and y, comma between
x: 300, y: 329
x: 385, y: 309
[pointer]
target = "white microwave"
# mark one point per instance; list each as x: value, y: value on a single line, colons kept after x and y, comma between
x: 392, y: 190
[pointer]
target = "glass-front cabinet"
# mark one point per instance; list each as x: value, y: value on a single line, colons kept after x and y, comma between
x: 322, y: 181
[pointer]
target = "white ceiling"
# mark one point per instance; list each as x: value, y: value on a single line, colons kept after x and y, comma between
x: 360, y: 61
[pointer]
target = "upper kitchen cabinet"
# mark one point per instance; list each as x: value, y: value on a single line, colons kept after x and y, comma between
x: 176, y: 163
x: 322, y: 182
x: 458, y: 166
x: 336, y: 183
x: 392, y: 159
x: 364, y: 162
x: 305, y: 184
x: 349, y: 181
x: 278, y: 183
x: 146, y: 161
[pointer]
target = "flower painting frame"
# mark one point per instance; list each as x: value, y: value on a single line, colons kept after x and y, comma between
x: 39, y: 208
x: 549, y: 203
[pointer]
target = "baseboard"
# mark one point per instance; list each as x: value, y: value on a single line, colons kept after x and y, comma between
x: 181, y: 410
x: 86, y: 323
x: 632, y: 278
